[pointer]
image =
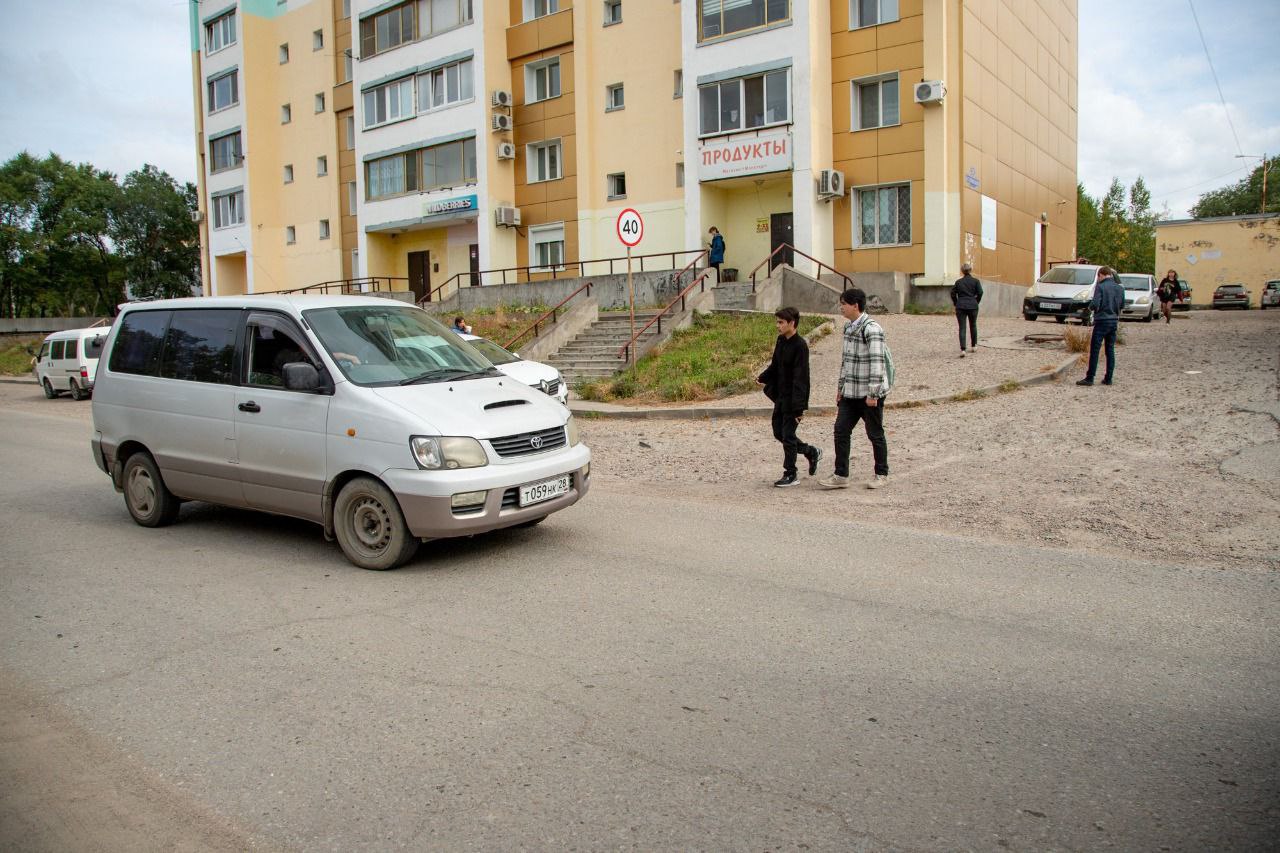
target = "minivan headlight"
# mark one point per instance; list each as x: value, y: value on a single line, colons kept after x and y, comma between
x: 1082, y: 296
x: 571, y: 432
x: 447, y: 452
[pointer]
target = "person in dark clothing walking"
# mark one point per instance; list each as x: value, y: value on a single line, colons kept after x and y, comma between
x: 715, y: 255
x: 786, y: 383
x: 966, y: 295
x: 1108, y: 300
x: 1167, y: 290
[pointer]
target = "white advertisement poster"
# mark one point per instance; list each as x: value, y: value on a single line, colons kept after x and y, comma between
x: 752, y: 155
x: 988, y: 222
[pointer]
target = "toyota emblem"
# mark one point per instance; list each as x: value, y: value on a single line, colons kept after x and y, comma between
x: 536, y: 442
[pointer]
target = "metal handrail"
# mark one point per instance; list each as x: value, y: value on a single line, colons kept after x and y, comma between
x: 552, y: 314
x: 553, y: 273
x: 625, y: 352
x: 345, y: 286
x: 821, y: 266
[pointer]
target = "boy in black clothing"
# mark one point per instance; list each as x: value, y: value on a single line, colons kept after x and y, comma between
x: 786, y: 383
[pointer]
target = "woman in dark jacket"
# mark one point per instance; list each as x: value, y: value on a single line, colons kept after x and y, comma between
x: 717, y: 251
x: 966, y: 294
x: 1167, y: 290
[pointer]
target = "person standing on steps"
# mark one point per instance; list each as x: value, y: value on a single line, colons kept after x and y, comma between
x: 786, y: 383
x: 716, y: 257
x: 1108, y: 301
x: 864, y: 383
x: 966, y: 295
x: 1167, y: 290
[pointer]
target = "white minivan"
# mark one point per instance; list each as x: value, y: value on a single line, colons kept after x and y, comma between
x: 362, y: 414
x: 68, y: 361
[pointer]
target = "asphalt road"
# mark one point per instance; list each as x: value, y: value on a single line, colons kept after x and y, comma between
x: 634, y: 673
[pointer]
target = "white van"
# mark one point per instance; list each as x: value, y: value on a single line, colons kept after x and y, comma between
x: 364, y: 415
x: 68, y: 361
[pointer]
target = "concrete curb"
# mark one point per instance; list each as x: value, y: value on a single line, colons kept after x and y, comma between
x: 18, y: 380
x: 584, y: 408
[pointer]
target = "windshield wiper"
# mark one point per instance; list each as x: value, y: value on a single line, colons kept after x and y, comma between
x: 440, y: 374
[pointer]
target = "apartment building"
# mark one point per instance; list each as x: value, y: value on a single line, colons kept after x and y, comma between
x: 430, y: 140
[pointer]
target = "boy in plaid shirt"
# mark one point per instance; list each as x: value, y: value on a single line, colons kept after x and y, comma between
x: 861, y: 392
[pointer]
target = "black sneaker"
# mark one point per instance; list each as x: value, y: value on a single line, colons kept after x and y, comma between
x: 1084, y: 382
x: 814, y: 459
x: 787, y: 480
x: 1106, y: 382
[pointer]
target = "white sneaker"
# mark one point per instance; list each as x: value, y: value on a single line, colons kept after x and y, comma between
x: 878, y: 481
x: 835, y: 481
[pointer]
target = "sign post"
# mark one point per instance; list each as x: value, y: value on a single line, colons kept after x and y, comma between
x: 630, y: 228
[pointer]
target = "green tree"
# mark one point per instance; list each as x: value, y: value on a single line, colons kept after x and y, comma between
x: 21, y: 251
x: 155, y: 235
x: 1119, y: 228
x: 1244, y: 196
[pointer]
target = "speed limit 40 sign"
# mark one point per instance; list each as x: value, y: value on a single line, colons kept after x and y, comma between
x: 630, y: 228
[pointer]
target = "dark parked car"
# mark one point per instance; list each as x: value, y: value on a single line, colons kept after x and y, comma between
x: 1183, y: 302
x: 1231, y: 296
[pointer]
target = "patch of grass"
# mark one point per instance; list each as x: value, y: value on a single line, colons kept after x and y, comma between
x: 1077, y: 338
x: 968, y: 394
x: 1008, y: 386
x: 913, y: 308
x: 502, y: 323
x: 911, y: 404
x: 16, y: 355
x: 718, y: 355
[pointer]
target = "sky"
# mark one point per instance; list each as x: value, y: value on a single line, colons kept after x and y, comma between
x: 109, y: 82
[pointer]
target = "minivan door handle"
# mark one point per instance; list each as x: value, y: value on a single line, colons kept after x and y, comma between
x: 250, y: 407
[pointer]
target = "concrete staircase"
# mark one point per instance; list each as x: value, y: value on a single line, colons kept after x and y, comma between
x: 593, y: 354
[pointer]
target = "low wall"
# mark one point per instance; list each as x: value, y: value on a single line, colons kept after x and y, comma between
x: 579, y: 316
x: 45, y: 325
x: 890, y: 288
x: 998, y: 300
x: 807, y: 295
x: 609, y: 291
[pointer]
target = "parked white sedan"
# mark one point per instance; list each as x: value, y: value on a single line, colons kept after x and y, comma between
x: 535, y: 374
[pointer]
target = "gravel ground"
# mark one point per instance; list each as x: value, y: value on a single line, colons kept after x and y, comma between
x: 1161, y: 464
x: 1135, y: 469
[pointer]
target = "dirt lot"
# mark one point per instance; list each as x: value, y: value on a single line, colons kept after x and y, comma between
x: 1161, y: 464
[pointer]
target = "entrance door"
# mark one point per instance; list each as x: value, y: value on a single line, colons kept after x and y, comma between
x: 781, y: 230
x: 420, y: 275
x: 475, y: 264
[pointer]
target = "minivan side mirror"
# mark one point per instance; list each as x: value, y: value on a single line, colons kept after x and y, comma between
x: 300, y: 376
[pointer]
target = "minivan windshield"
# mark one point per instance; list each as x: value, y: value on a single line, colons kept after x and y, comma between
x: 393, y: 345
x: 1135, y: 282
x: 1070, y: 275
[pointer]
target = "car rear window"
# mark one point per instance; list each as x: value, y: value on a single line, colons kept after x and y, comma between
x: 93, y: 346
x: 1232, y: 288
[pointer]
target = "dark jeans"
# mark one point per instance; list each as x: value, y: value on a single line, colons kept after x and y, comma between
x: 1104, y: 331
x: 872, y: 417
x: 784, y: 430
x: 972, y: 314
x: 717, y: 269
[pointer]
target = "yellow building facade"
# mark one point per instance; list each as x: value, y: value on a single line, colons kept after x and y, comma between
x: 1220, y: 250
x: 439, y: 144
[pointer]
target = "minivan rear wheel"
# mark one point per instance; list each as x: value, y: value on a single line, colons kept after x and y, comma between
x: 77, y: 393
x: 146, y: 496
x: 48, y: 389
x: 369, y: 526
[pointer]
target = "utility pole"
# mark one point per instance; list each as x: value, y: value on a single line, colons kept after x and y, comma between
x: 1264, y: 176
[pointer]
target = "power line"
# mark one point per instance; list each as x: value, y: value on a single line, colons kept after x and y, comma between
x: 1205, y: 44
x: 1171, y: 193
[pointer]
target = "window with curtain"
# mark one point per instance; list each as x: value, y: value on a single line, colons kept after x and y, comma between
x: 224, y: 152
x: 389, y: 102
x: 884, y: 215
x: 387, y: 29
x: 718, y: 18
x: 875, y: 102
x: 224, y: 91
x: 449, y: 164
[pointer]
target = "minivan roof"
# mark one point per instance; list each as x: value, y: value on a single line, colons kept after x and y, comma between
x: 293, y: 302
x: 88, y: 332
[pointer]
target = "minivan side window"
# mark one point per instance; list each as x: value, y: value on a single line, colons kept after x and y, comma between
x: 72, y: 346
x: 270, y: 344
x: 137, y: 346
x: 93, y: 346
x: 57, y: 350
x: 200, y: 346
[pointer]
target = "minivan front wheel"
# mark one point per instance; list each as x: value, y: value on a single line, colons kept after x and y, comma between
x: 145, y: 495
x: 48, y: 389
x: 369, y: 526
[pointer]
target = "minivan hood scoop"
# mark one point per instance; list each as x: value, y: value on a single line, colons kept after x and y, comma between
x: 481, y: 408
x: 503, y: 403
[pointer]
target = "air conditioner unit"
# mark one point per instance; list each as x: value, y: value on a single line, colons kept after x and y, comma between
x: 506, y: 151
x: 506, y: 216
x: 930, y: 92
x: 500, y: 122
x: 830, y: 184
x: 499, y: 98
x: 197, y: 216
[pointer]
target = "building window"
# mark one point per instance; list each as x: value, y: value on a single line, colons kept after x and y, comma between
x: 346, y: 8
x: 679, y: 174
x: 868, y: 13
x: 284, y: 53
x: 228, y: 209
x: 220, y: 33
x: 449, y: 84
x: 350, y: 122
x: 319, y: 102
x: 347, y: 66
x: 449, y: 165
x: 546, y: 246
x: 387, y: 103
x: 875, y: 102
x: 617, y: 185
x: 544, y: 161
x: 612, y: 12
x: 386, y: 30
x: 224, y: 91
x: 884, y: 216
x: 286, y: 113
x: 745, y: 103
x: 613, y: 98
x: 288, y: 173
x: 224, y: 152
x: 678, y: 89
x: 723, y: 17
x: 437, y: 16
x: 322, y: 166
x: 290, y: 235
x: 540, y: 8
x: 317, y: 40
x: 351, y: 198
x: 324, y: 229
x: 542, y: 80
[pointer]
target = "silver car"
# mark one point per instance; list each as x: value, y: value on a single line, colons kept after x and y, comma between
x: 1140, y: 299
